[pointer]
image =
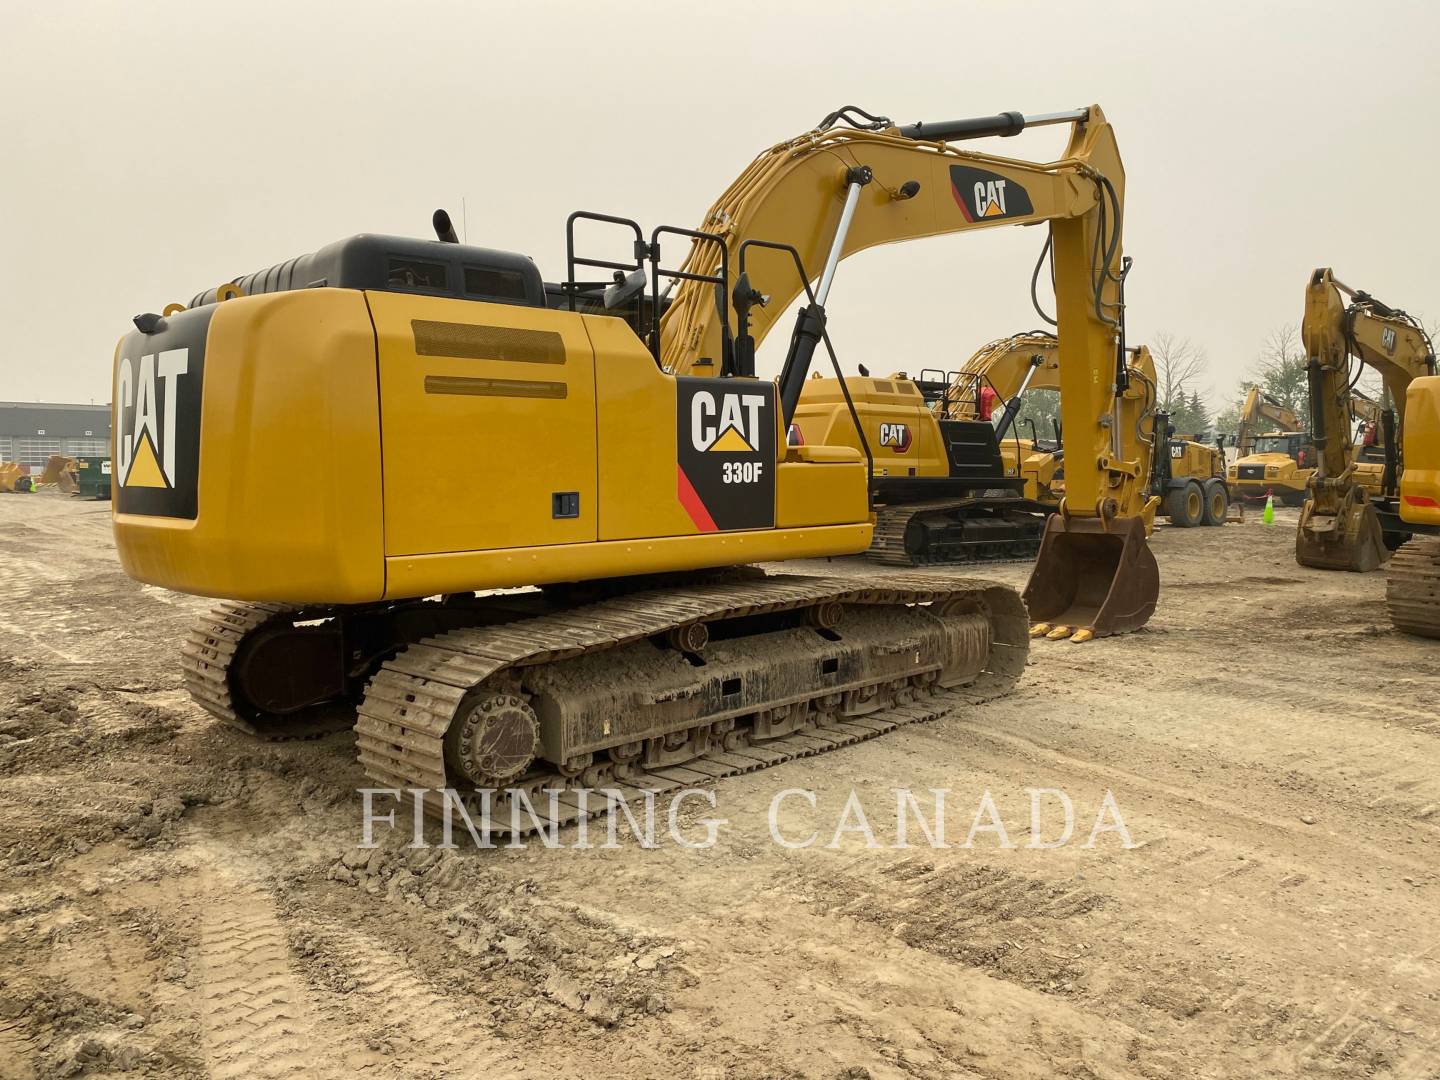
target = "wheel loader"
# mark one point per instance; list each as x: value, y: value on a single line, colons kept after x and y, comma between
x: 573, y: 608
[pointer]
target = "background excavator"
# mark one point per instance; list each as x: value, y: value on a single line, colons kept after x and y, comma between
x: 1280, y: 461
x: 1344, y: 526
x: 945, y: 481
x: 625, y: 463
x: 1188, y: 477
x: 1274, y: 455
x: 1412, y: 581
x: 1260, y: 406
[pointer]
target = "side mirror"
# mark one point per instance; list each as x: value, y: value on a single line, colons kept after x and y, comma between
x: 745, y: 296
x: 625, y: 289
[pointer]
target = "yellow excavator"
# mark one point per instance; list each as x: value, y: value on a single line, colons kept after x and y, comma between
x: 1280, y: 462
x: 1343, y: 526
x: 622, y: 459
x: 1007, y: 368
x: 1260, y: 406
x: 1412, y: 582
x: 1188, y: 477
x: 1368, y: 442
x: 1277, y: 459
x: 945, y: 481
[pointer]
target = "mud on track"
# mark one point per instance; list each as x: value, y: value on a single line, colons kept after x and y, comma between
x: 176, y: 901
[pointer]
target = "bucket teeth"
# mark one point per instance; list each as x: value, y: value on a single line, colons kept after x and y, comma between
x: 1040, y: 629
x: 1059, y: 633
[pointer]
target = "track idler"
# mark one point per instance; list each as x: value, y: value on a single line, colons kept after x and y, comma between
x: 1349, y: 539
x: 1092, y: 578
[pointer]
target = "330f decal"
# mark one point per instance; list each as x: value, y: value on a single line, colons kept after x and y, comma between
x: 726, y: 453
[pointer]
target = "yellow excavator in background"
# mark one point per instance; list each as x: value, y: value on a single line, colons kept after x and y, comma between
x: 1368, y: 442
x: 998, y: 375
x: 1280, y: 462
x: 1412, y: 581
x: 1188, y: 479
x: 1342, y: 525
x: 1261, y: 406
x: 1277, y: 459
x: 622, y: 455
x: 941, y: 486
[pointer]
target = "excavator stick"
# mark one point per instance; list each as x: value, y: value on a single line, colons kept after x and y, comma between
x: 1350, y: 539
x: 1092, y: 578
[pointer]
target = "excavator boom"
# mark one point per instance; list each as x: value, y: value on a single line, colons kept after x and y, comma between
x: 850, y: 185
x: 1261, y: 406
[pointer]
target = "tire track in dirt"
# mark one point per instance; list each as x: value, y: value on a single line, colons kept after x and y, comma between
x: 255, y: 1016
x: 381, y: 999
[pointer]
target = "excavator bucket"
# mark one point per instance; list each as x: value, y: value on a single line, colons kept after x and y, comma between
x: 1350, y: 539
x: 1092, y: 578
x: 61, y: 471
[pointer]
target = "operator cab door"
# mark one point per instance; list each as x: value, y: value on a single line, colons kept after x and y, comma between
x: 487, y: 418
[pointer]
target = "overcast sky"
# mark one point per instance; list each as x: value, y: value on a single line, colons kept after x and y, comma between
x: 153, y: 150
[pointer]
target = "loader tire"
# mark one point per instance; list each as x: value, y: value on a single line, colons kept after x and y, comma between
x: 1217, y: 502
x: 1185, y: 506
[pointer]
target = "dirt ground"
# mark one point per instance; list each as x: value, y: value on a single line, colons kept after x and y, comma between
x: 177, y: 901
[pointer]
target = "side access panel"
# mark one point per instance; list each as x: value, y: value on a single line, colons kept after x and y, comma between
x: 488, y: 425
x: 679, y: 456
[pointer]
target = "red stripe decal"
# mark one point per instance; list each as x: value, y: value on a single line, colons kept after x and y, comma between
x: 690, y: 500
x: 1421, y: 500
x: 960, y: 202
